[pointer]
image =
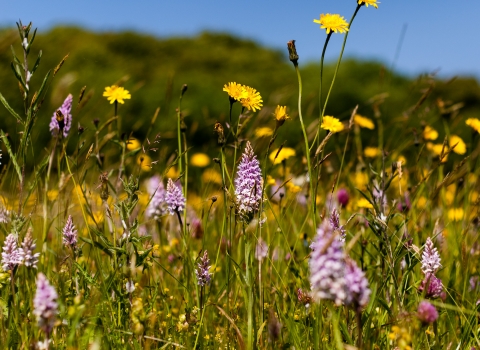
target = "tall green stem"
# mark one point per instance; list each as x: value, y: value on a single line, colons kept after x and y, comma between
x: 307, y: 148
x: 338, y: 62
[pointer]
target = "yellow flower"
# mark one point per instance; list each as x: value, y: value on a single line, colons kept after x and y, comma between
x: 116, y: 93
x: 460, y: 146
x: 145, y: 162
x: 335, y: 23
x: 364, y: 203
x: 332, y: 124
x: 437, y: 150
x: 263, y: 132
x: 211, y: 175
x: 360, y: 180
x: 52, y: 195
x: 292, y: 187
x: 422, y: 202
x: 172, y: 173
x: 252, y: 99
x: 281, y: 115
x: 235, y: 91
x: 200, y: 160
x: 363, y: 122
x: 374, y: 3
x: 133, y: 144
x: 371, y: 152
x: 285, y: 153
x: 455, y: 214
x: 474, y: 123
x: 430, y: 133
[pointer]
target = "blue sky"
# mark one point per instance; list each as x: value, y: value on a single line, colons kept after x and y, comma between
x: 439, y: 35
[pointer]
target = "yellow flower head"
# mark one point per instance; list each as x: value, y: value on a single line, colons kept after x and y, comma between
x: 211, y: 175
x: 364, y: 203
x: 235, y: 91
x: 252, y: 100
x: 437, y: 149
x: 145, y: 162
x: 200, y: 160
x: 281, y: 115
x: 455, y: 214
x: 133, y: 144
x: 116, y: 93
x: 460, y: 146
x: 473, y: 123
x: 430, y: 133
x: 363, y: 122
x: 373, y: 3
x: 263, y: 132
x: 335, y: 23
x: 285, y: 153
x: 332, y: 124
x: 371, y: 152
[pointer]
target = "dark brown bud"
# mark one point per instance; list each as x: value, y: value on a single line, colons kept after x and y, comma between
x: 218, y: 128
x: 292, y: 52
x: 184, y: 88
x: 95, y: 122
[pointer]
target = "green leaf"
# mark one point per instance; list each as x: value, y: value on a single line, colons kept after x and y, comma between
x: 31, y: 40
x: 37, y: 62
x: 15, y: 58
x: 18, y: 75
x: 10, y: 109
x: 12, y: 156
x: 42, y: 87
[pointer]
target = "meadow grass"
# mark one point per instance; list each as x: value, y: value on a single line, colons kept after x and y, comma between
x: 342, y: 242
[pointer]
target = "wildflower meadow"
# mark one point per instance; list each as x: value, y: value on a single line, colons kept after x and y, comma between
x: 286, y: 227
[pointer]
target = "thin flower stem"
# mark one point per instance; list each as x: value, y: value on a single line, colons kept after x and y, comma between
x: 317, y: 138
x: 307, y: 148
x: 338, y: 62
x: 249, y: 282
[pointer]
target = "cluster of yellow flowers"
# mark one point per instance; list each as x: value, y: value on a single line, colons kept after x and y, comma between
x: 246, y: 95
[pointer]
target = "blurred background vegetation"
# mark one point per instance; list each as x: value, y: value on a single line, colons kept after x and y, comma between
x: 154, y: 70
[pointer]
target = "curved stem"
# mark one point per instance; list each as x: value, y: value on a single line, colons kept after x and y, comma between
x: 338, y: 62
x: 307, y: 149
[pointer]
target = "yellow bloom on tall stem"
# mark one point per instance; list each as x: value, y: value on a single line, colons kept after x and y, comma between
x: 332, y: 23
x: 373, y: 3
x: 473, y: 123
x: 281, y: 115
x: 116, y: 93
x: 284, y: 154
x: 252, y: 100
x: 235, y: 91
x: 331, y: 124
x: 430, y: 133
x: 457, y: 144
x: 363, y: 122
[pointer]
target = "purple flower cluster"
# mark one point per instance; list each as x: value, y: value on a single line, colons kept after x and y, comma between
x: 203, y: 275
x: 62, y: 118
x: 174, y: 198
x: 248, y: 184
x: 332, y: 275
x: 426, y: 312
x: 261, y: 250
x: 430, y: 258
x: 11, y: 255
x: 357, y: 285
x: 45, y: 304
x: 70, y: 233
x: 430, y: 265
x: 157, y: 206
x: 29, y: 258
